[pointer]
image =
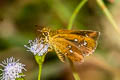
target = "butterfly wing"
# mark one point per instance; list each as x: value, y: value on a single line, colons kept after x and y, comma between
x: 60, y: 55
x: 75, y: 44
x: 61, y: 45
x: 86, y: 33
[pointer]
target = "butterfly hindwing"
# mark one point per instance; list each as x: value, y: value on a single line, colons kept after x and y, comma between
x: 68, y: 49
x: 60, y: 55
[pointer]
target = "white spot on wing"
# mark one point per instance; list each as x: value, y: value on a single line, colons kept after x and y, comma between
x: 71, y: 51
x: 85, y: 43
x: 75, y: 40
x: 69, y: 46
x: 86, y: 35
x: 65, y: 53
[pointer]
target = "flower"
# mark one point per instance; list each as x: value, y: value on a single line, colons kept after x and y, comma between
x: 37, y: 47
x: 11, y: 69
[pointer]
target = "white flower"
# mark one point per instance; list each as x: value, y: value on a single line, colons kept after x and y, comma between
x: 37, y: 47
x: 11, y: 69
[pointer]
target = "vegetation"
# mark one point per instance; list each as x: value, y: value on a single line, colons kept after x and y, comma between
x: 17, y: 25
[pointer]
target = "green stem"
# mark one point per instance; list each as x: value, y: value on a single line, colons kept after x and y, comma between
x: 40, y: 60
x: 40, y: 71
x: 80, y: 5
x: 75, y: 74
x: 20, y: 79
x: 108, y: 15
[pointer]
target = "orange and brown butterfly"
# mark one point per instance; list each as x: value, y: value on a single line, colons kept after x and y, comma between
x: 74, y: 44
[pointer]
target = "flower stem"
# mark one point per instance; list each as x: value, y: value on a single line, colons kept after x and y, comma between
x: 75, y: 74
x: 20, y: 79
x: 40, y: 60
x: 108, y: 15
x: 80, y: 5
x: 40, y: 71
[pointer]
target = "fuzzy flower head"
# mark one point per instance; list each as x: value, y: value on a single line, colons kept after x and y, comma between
x: 37, y: 47
x: 11, y: 69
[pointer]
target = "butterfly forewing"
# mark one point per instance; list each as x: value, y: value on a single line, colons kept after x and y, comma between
x: 79, y: 43
x: 86, y: 33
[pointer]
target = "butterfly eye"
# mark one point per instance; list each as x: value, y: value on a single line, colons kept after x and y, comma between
x: 45, y: 33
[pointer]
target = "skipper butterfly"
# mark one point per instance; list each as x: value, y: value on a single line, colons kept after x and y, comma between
x: 74, y: 44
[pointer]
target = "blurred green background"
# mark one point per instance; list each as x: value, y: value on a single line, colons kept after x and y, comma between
x: 17, y: 25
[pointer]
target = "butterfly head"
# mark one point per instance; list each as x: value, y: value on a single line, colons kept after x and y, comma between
x: 43, y: 33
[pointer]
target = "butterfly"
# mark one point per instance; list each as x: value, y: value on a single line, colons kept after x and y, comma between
x: 74, y: 44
